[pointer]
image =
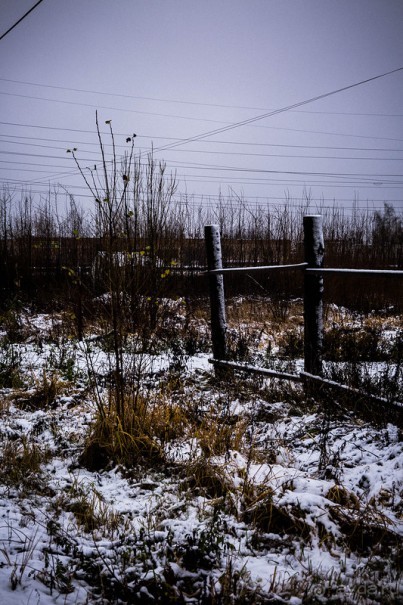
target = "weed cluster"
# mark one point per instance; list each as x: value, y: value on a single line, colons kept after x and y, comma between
x: 231, y: 449
x: 137, y: 436
x: 21, y: 463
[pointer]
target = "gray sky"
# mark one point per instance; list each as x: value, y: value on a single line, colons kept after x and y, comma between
x: 174, y: 69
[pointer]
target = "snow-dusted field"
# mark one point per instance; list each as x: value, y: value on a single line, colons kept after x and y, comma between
x: 294, y: 503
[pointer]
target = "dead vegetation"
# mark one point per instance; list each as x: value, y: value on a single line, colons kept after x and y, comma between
x: 247, y: 452
x: 154, y: 480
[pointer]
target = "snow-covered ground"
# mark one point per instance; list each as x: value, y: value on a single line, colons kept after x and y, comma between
x: 303, y: 505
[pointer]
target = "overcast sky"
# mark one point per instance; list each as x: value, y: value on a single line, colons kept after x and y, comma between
x: 174, y: 69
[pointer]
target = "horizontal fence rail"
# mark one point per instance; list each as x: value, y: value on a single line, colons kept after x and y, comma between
x: 233, y: 365
x: 313, y: 308
x: 380, y: 408
x: 375, y: 272
x: 319, y: 270
x: 255, y: 269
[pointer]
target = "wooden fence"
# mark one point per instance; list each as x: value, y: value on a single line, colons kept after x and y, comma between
x: 313, y: 269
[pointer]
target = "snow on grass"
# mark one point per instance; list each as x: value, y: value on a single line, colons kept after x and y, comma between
x: 308, y: 506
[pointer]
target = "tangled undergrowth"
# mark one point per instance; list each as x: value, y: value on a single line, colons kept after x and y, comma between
x: 243, y: 491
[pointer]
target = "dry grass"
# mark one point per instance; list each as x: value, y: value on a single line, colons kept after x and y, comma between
x: 268, y: 517
x: 136, y: 437
x: 21, y: 463
x: 217, y: 435
x: 91, y: 512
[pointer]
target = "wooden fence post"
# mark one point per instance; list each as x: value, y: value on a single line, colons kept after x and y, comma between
x: 313, y: 295
x: 216, y: 284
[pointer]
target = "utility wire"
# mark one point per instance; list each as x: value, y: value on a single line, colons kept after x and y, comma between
x: 199, y: 151
x: 198, y: 103
x: 222, y: 129
x: 356, y: 178
x: 200, y: 195
x: 147, y: 113
x: 123, y: 96
x: 175, y: 139
x: 214, y: 167
x: 56, y: 128
x: 26, y: 143
x: 278, y: 111
x: 275, y: 112
x: 19, y: 20
x: 292, y: 179
x: 214, y: 201
x: 375, y: 179
x: 281, y: 145
x: 205, y: 196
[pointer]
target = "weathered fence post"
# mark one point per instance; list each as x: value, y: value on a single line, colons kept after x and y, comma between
x: 313, y: 295
x: 217, y: 298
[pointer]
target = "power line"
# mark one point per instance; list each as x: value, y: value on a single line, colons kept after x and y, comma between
x: 294, y: 177
x: 31, y: 164
x: 198, y: 151
x: 336, y: 134
x: 380, y: 179
x: 356, y: 178
x: 228, y: 201
x: 280, y: 110
x: 124, y: 96
x: 277, y: 155
x: 353, y: 113
x: 19, y: 20
x: 281, y: 145
x: 175, y: 139
x: 182, y: 102
x: 71, y: 142
x: 218, y: 130
x: 213, y: 196
x: 288, y: 183
x: 41, y: 127
x: 275, y: 112
x: 148, y: 113
x: 38, y: 155
x: 199, y: 166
